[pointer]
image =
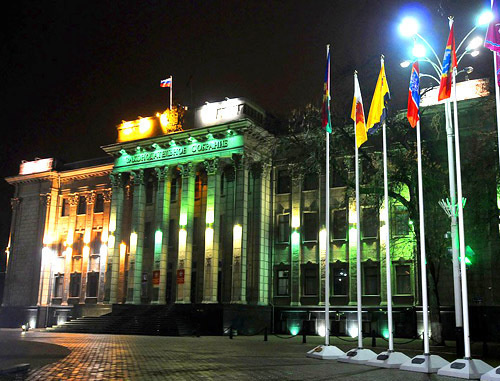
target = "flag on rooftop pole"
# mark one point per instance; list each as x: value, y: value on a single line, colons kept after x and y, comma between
x: 449, y: 62
x: 358, y: 114
x: 378, y: 107
x: 326, y: 122
x: 414, y: 96
x: 168, y: 82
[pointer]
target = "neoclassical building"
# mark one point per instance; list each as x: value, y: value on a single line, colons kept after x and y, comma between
x: 190, y: 210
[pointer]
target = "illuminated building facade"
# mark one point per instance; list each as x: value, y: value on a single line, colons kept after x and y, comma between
x: 197, y: 212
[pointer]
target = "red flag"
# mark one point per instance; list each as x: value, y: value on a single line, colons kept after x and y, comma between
x: 449, y: 62
x: 414, y: 95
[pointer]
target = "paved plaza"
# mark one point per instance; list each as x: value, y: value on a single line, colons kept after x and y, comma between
x: 63, y: 356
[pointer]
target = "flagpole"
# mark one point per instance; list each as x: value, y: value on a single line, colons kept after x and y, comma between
x: 327, y: 227
x: 171, y: 89
x: 497, y: 91
x: 358, y: 249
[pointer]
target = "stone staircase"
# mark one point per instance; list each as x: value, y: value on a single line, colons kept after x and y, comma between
x: 154, y: 320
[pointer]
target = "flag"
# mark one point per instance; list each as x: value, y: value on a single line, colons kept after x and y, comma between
x: 166, y: 82
x: 326, y: 122
x: 414, y: 95
x: 449, y: 62
x: 358, y: 114
x: 378, y: 108
x: 492, y: 40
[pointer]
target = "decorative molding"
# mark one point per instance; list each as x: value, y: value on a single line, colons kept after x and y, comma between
x: 211, y: 166
x: 106, y: 194
x: 73, y: 199
x: 116, y: 179
x: 186, y: 169
x: 90, y: 197
x: 161, y: 173
x: 137, y: 177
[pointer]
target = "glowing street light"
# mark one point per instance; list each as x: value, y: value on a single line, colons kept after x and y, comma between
x: 405, y: 64
x: 408, y: 27
x: 484, y: 18
x: 475, y: 43
x: 419, y: 51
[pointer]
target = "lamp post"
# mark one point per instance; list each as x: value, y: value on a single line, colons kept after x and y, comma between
x: 409, y: 27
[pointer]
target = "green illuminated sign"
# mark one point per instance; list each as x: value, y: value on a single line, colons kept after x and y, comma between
x: 178, y: 151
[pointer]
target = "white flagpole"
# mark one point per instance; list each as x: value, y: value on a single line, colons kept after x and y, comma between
x: 423, y: 266
x: 171, y: 89
x: 461, y: 235
x: 358, y: 248
x: 327, y: 225
x: 497, y: 92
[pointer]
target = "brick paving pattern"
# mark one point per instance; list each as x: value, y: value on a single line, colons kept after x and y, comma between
x: 122, y: 357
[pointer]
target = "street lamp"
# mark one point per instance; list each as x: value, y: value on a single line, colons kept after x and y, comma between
x: 409, y: 27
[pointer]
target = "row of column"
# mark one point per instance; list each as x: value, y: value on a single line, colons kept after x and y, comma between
x: 117, y: 248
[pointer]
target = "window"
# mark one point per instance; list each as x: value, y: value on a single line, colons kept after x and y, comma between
x: 310, y: 181
x: 283, y: 182
x: 74, y: 285
x: 310, y: 280
x: 338, y: 175
x: 58, y: 285
x: 92, y: 284
x: 198, y: 186
x: 99, y: 203
x: 196, y: 231
x: 310, y: 226
x: 82, y: 205
x: 147, y: 235
x: 399, y: 221
x: 283, y: 228
x: 172, y: 230
x: 371, y: 272
x: 283, y: 283
x: 369, y: 223
x: 65, y: 208
x: 403, y: 280
x: 173, y: 189
x: 222, y: 185
x: 95, y: 244
x: 339, y: 224
x: 78, y: 243
x: 340, y: 279
x: 149, y: 191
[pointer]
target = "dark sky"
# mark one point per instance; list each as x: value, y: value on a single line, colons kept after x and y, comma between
x: 73, y: 70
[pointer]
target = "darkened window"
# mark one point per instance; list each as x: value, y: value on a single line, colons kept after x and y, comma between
x: 147, y: 235
x: 283, y: 283
x: 339, y: 224
x: 310, y: 280
x: 58, y: 285
x: 310, y: 226
x: 173, y: 189
x: 399, y: 221
x: 75, y: 280
x: 403, y: 280
x: 99, y: 203
x: 92, y: 284
x: 222, y: 184
x: 369, y: 223
x: 338, y: 174
x: 65, y: 207
x: 96, y: 242
x: 340, y: 279
x: 198, y: 184
x: 283, y: 182
x: 310, y: 181
x: 78, y: 244
x: 82, y: 205
x: 172, y: 230
x: 283, y: 228
x: 371, y: 272
x: 149, y: 191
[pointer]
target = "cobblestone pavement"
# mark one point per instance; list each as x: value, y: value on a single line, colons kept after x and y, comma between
x: 121, y: 357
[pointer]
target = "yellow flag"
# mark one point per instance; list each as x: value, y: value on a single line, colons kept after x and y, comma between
x: 358, y: 114
x: 378, y: 108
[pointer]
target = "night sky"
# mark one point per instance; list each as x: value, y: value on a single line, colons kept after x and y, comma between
x: 73, y: 70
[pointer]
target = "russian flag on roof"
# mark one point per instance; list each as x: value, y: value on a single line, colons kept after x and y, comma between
x: 166, y: 82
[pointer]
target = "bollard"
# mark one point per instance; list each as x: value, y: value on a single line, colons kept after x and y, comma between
x: 304, y: 336
x: 231, y: 332
x: 265, y: 333
x: 374, y: 339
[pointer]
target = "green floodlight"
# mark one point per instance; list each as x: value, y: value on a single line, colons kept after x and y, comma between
x: 469, y: 255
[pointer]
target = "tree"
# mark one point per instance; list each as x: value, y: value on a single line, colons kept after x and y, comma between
x: 302, y: 146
